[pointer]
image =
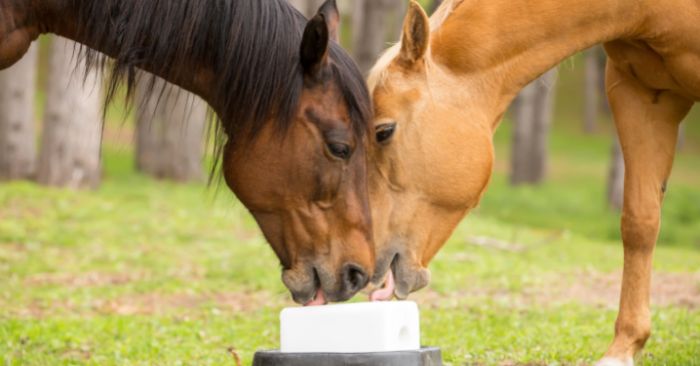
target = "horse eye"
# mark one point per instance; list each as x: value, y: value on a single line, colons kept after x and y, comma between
x: 385, y: 131
x: 339, y: 150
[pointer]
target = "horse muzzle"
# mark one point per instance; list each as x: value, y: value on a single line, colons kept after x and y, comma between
x: 315, y: 285
x: 399, y: 277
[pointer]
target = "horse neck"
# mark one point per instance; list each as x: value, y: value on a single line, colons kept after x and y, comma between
x: 60, y: 17
x: 506, y: 44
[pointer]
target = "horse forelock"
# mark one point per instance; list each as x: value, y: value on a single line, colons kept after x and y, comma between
x: 353, y: 89
x: 379, y: 72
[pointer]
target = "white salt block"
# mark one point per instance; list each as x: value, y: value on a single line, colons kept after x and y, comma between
x: 351, y: 328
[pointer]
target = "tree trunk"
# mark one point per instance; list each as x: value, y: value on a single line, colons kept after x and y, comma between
x: 17, y: 134
x: 592, y: 90
x: 169, y: 132
x: 307, y: 7
x: 435, y: 5
x: 532, y: 116
x: 681, y: 137
x: 616, y: 177
x: 375, y: 24
x: 70, y: 151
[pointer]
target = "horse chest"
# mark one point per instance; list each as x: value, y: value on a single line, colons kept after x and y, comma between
x: 673, y: 40
x: 674, y: 68
x: 685, y: 69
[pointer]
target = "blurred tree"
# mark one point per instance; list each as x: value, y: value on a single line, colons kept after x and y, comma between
x: 70, y: 147
x: 169, y: 131
x: 616, y: 176
x: 616, y: 172
x: 307, y: 7
x: 594, y: 87
x: 17, y: 136
x: 375, y: 24
x: 532, y: 113
x: 436, y: 4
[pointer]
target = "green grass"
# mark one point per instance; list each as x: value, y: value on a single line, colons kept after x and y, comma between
x: 142, y: 272
x: 573, y: 197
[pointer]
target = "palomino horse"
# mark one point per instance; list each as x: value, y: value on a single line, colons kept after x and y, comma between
x: 292, y: 105
x: 440, y: 95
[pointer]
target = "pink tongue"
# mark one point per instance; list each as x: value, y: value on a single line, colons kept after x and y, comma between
x: 385, y: 293
x: 319, y: 300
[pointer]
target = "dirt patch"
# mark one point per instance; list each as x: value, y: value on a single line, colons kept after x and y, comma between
x: 15, y: 247
x: 589, y: 288
x: 13, y: 251
x: 676, y: 289
x: 100, y: 279
x: 152, y: 304
x: 80, y: 280
x: 667, y: 289
x: 15, y: 208
x: 83, y: 354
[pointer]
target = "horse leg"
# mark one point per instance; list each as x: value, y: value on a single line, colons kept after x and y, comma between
x: 647, y: 123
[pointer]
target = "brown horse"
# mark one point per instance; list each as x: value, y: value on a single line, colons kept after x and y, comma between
x: 440, y: 95
x: 293, y: 108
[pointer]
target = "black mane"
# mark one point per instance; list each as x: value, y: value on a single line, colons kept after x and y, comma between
x: 251, y: 45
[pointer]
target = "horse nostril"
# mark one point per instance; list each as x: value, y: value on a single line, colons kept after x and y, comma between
x: 354, y: 278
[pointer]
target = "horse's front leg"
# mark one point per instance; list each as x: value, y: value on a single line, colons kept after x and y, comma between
x: 647, y: 123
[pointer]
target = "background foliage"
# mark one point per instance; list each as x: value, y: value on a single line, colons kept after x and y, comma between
x: 145, y: 272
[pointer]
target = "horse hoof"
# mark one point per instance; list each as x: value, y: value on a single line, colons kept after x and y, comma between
x: 610, y: 361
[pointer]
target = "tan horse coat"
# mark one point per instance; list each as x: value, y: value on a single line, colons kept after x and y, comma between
x: 447, y: 85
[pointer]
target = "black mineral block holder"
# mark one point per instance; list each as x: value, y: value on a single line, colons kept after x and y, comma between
x: 427, y: 356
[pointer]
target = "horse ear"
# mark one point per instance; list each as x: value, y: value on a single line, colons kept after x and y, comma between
x: 329, y: 9
x: 416, y: 34
x: 314, y: 46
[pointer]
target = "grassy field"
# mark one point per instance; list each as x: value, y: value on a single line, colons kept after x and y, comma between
x: 142, y: 272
